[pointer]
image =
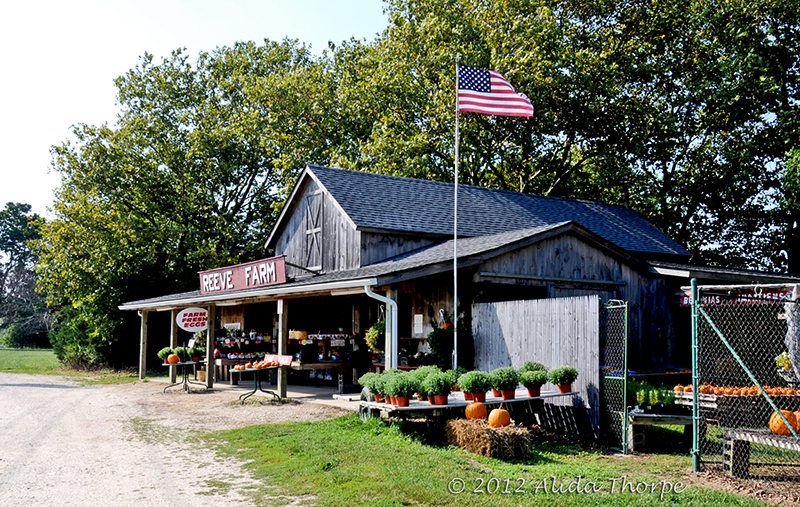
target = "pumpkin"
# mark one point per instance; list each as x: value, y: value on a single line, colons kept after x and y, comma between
x: 678, y: 388
x: 476, y: 410
x: 777, y: 426
x: 173, y: 359
x: 688, y: 389
x: 499, y: 417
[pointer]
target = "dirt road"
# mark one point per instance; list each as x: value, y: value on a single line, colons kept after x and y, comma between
x: 63, y: 444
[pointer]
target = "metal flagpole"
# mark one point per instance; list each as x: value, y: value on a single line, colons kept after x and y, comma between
x: 455, y: 236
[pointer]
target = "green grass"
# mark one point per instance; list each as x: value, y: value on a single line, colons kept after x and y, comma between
x: 346, y: 462
x: 45, y: 362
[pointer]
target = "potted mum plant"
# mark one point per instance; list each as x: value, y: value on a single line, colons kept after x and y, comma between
x: 402, y: 387
x: 505, y: 380
x: 379, y: 388
x: 564, y: 377
x: 420, y: 374
x: 475, y: 383
x: 533, y: 381
x: 182, y: 353
x: 367, y: 380
x: 531, y: 366
x: 164, y: 353
x: 438, y: 386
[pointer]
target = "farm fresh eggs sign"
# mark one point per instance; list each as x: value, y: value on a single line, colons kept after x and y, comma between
x: 192, y: 319
x: 243, y: 276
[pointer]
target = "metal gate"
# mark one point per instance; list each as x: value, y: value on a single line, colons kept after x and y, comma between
x: 614, y: 374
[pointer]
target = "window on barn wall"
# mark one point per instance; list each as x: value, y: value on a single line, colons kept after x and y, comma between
x: 314, y: 230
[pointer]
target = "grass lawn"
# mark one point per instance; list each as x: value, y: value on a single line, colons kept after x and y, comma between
x: 44, y: 361
x: 344, y: 462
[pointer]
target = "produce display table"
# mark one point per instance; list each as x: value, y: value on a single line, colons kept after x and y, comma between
x: 256, y: 381
x: 639, y: 419
x: 184, y: 367
x: 455, y: 402
x: 736, y: 448
x: 339, y: 366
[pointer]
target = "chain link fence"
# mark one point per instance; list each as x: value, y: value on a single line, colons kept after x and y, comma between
x: 613, y: 374
x: 743, y: 375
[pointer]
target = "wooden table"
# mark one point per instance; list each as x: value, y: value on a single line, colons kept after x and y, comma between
x: 637, y: 420
x: 324, y: 365
x: 736, y: 448
x: 455, y: 402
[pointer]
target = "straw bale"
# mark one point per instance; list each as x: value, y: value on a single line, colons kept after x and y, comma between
x: 476, y: 436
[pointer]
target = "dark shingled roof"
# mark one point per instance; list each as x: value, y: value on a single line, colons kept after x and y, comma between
x: 426, y: 256
x: 422, y: 206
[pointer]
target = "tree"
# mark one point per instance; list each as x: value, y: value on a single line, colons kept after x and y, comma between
x: 184, y: 182
x: 24, y: 319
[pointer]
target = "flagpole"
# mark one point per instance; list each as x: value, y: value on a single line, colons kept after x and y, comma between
x: 455, y: 236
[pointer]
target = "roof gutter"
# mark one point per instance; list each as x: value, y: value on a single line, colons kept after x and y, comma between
x: 391, y: 360
x: 268, y: 291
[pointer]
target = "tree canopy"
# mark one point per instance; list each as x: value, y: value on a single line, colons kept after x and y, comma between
x: 683, y: 110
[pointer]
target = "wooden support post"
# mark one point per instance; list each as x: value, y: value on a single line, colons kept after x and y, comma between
x: 210, y: 346
x: 173, y: 342
x: 283, y: 345
x: 143, y: 346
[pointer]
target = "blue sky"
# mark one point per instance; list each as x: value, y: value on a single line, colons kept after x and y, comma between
x: 61, y: 59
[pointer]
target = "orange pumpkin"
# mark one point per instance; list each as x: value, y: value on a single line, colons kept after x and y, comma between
x: 476, y: 410
x: 718, y: 391
x: 173, y: 359
x: 678, y: 388
x: 688, y: 389
x: 499, y: 417
x: 777, y: 426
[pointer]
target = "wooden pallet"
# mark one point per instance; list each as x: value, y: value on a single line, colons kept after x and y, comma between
x: 736, y: 448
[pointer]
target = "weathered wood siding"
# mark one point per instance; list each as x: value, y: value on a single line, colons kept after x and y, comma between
x: 337, y: 246
x: 569, y: 257
x: 554, y: 332
x: 378, y: 247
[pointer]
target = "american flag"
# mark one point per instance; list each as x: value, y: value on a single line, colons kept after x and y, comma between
x: 487, y: 92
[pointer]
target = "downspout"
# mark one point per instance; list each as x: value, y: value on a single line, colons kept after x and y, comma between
x: 391, y: 362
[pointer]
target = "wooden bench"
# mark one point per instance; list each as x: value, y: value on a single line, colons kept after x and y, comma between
x: 636, y: 438
x: 736, y: 448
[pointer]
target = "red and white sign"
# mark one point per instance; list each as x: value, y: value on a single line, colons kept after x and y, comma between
x: 250, y: 275
x: 742, y: 298
x: 192, y: 319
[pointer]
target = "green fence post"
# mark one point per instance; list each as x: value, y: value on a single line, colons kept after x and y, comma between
x: 695, y: 406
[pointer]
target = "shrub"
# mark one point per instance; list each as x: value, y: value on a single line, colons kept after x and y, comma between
x: 505, y: 379
x: 182, y: 352
x: 563, y: 375
x: 368, y: 380
x: 401, y: 385
x: 437, y: 384
x: 533, y: 379
x: 198, y: 351
x: 420, y: 374
x: 475, y: 382
x: 531, y: 366
x: 379, y: 384
x: 453, y: 376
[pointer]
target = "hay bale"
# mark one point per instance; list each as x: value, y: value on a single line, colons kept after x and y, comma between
x: 476, y: 436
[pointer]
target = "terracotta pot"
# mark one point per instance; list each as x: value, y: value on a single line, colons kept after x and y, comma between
x: 402, y: 401
x: 508, y: 394
x: 440, y: 400
x: 378, y: 398
x: 392, y: 400
x: 467, y: 396
x: 534, y: 392
x: 431, y: 400
x: 565, y: 388
x: 495, y: 393
x: 456, y: 388
x: 195, y: 359
x: 481, y: 397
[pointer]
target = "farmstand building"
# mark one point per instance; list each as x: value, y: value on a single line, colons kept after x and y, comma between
x: 351, y: 248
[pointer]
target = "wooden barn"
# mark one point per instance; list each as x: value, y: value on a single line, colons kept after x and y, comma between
x: 347, y: 242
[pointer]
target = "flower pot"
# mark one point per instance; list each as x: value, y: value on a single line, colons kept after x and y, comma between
x: 456, y: 388
x: 565, y: 388
x: 431, y: 399
x: 481, y: 397
x: 195, y: 359
x: 440, y: 400
x: 495, y: 393
x: 534, y: 391
x: 378, y: 398
x: 392, y: 400
x: 508, y: 394
x: 467, y: 396
x: 402, y: 401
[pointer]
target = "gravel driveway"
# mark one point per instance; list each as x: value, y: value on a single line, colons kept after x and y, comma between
x: 63, y: 444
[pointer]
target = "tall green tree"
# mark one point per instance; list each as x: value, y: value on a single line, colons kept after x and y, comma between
x: 24, y: 319
x: 184, y: 181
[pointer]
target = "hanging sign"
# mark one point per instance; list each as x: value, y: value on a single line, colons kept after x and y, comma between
x: 192, y: 319
x: 741, y: 297
x: 250, y: 275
